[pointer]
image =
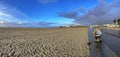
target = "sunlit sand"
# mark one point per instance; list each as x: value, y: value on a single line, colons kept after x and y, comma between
x: 57, y: 42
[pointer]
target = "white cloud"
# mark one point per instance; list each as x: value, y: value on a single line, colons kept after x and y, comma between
x: 5, y: 15
x: 1, y: 22
x: 11, y: 14
x: 25, y: 24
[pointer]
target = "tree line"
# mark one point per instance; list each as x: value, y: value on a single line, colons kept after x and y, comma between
x: 117, y: 22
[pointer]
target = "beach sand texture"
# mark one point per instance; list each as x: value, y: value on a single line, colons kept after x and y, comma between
x: 57, y: 42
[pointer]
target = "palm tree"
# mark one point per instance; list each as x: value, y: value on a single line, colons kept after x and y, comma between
x: 118, y: 21
x: 114, y: 21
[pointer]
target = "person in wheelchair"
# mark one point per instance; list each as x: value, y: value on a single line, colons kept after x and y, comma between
x: 97, y: 33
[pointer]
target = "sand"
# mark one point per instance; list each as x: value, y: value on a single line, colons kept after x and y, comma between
x: 57, y: 42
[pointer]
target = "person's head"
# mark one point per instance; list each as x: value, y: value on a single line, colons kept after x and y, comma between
x: 97, y: 28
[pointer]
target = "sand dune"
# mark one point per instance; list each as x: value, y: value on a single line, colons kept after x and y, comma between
x: 59, y: 42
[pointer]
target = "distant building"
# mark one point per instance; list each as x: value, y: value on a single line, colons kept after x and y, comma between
x: 67, y: 25
x: 95, y: 25
x: 111, y: 25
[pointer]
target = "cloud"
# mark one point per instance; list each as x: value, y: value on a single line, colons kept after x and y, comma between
x: 71, y: 15
x: 2, y: 15
x: 4, y: 23
x: 9, y: 13
x: 102, y: 13
x: 25, y: 24
x: 45, y: 23
x: 81, y: 10
x: 11, y: 17
x: 1, y: 21
x: 47, y: 1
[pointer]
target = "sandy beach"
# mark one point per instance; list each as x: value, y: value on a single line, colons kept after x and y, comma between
x: 56, y: 42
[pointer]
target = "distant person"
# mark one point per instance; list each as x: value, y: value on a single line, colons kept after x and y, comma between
x: 97, y: 33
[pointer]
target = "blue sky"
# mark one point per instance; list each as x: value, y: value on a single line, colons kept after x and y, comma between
x: 48, y: 13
